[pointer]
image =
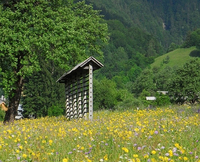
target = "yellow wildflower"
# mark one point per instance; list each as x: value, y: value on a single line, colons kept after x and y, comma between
x: 50, y: 142
x: 65, y: 160
x: 153, y: 152
x: 125, y: 149
x: 24, y: 156
x: 20, y: 147
x: 43, y: 141
x: 138, y: 160
x: 176, y: 145
x: 153, y: 159
x: 106, y: 157
x: 170, y: 153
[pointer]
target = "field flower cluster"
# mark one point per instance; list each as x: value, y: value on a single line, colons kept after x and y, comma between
x: 160, y: 135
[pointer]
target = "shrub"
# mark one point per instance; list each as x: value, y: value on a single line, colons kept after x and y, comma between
x: 55, y: 111
x: 2, y: 114
x: 162, y: 100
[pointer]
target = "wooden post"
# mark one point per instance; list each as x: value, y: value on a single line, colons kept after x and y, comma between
x: 90, y: 92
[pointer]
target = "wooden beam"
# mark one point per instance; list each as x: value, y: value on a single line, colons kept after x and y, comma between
x: 90, y: 92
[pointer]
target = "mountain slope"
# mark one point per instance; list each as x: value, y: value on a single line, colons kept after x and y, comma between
x: 168, y: 20
x: 176, y: 58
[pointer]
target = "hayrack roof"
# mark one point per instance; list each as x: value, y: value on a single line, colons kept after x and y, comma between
x: 81, y: 68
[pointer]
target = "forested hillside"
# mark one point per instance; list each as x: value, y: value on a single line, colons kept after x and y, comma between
x: 168, y: 20
x: 140, y: 31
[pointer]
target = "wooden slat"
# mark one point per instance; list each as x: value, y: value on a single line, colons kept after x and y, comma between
x: 90, y: 92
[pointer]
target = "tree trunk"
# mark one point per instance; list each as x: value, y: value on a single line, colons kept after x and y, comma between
x: 14, y: 100
x: 15, y: 94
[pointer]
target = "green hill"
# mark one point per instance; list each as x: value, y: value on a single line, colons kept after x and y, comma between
x: 176, y: 58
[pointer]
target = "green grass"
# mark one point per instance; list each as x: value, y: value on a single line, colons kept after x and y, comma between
x: 177, y: 57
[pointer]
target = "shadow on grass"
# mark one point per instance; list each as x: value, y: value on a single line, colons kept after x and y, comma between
x: 195, y: 53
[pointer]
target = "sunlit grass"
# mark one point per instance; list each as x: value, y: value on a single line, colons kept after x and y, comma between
x: 180, y: 56
x: 168, y: 134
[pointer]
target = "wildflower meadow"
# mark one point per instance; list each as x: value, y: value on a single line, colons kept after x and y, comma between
x: 167, y: 134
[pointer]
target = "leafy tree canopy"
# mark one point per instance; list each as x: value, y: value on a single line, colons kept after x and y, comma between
x: 192, y: 39
x: 47, y: 29
x: 144, y: 82
x: 185, y: 85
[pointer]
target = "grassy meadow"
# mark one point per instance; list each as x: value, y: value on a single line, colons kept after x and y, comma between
x: 177, y: 57
x: 162, y: 134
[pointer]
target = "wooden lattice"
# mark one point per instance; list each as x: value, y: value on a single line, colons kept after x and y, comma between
x: 79, y: 88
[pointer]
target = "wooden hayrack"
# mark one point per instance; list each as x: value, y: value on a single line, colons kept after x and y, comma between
x: 79, y: 88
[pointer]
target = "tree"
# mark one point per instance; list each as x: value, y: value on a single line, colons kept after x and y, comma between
x: 172, y: 47
x: 163, y: 77
x: 192, y: 39
x: 105, y: 94
x: 47, y: 29
x: 185, y: 85
x: 144, y: 82
x: 41, y: 89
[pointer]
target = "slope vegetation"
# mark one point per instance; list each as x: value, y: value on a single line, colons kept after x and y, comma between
x: 176, y: 58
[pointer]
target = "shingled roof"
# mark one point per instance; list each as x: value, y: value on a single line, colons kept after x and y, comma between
x: 81, y: 68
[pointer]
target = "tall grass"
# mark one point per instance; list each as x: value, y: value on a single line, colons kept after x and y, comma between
x: 168, y: 134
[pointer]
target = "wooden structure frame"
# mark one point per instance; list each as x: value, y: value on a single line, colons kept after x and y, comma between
x: 79, y: 88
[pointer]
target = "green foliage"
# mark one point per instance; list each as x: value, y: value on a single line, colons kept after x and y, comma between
x: 163, y: 77
x: 142, y: 98
x: 144, y: 82
x: 168, y: 21
x: 105, y: 94
x: 185, y: 85
x: 1, y: 92
x: 120, y: 81
x: 65, y: 33
x: 130, y: 103
x: 2, y: 114
x: 192, y: 39
x: 172, y: 47
x: 61, y: 33
x: 41, y: 92
x: 166, y: 60
x: 129, y: 51
x: 108, y: 96
x: 162, y: 100
x: 55, y: 111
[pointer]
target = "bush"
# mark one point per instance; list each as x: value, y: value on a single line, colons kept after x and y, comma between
x: 127, y: 101
x: 2, y: 115
x: 105, y: 94
x: 162, y: 100
x: 55, y: 111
